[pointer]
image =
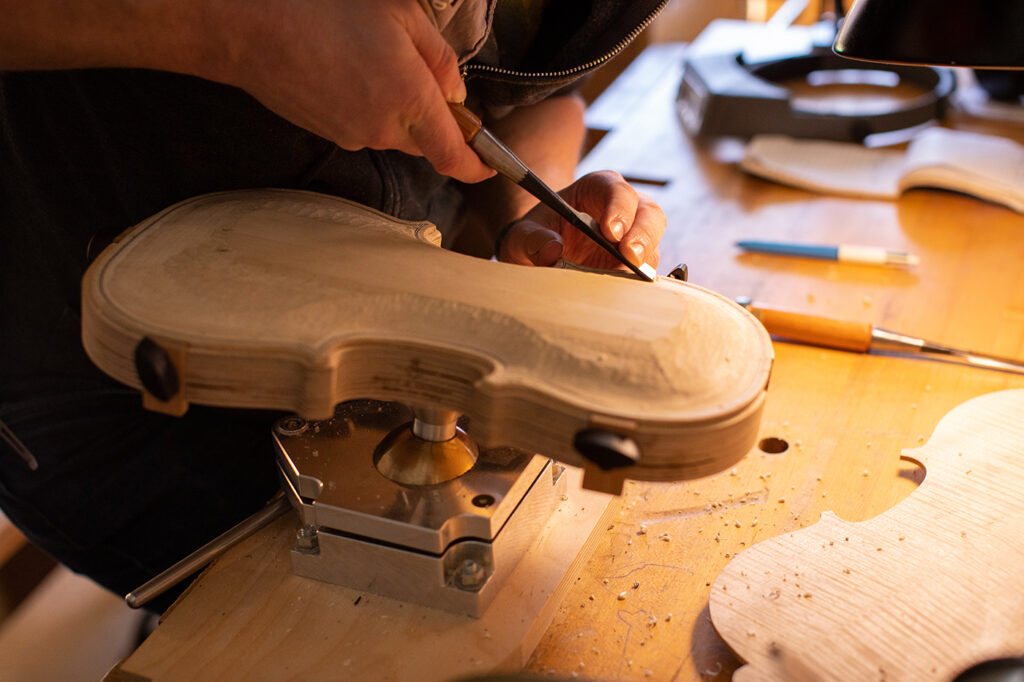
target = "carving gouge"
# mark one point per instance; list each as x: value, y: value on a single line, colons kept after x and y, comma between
x: 863, y: 337
x: 499, y: 157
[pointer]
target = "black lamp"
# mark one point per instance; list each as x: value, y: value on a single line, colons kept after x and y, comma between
x: 984, y: 34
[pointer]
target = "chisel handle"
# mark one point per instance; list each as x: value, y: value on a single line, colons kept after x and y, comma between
x: 468, y: 122
x: 813, y: 329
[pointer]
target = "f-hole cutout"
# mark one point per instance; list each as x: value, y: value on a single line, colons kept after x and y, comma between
x: 773, y: 445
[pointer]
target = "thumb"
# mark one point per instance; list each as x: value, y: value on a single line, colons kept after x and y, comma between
x: 528, y: 243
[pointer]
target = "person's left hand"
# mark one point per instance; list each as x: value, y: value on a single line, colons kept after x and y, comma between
x: 629, y: 219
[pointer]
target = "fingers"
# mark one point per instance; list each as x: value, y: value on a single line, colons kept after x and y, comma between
x: 640, y: 243
x: 529, y: 243
x: 608, y: 195
x: 434, y: 131
x: 439, y: 58
x: 534, y: 241
x: 439, y: 139
x: 364, y: 105
x: 627, y: 217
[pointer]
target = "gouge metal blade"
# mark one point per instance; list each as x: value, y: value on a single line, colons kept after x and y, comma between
x: 499, y: 157
x: 882, y: 339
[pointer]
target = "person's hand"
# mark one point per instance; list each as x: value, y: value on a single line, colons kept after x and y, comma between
x: 360, y: 73
x: 629, y: 219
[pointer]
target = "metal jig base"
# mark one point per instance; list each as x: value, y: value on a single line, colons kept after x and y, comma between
x: 449, y: 545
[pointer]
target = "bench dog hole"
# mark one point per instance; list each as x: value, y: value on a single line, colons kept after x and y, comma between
x: 773, y: 445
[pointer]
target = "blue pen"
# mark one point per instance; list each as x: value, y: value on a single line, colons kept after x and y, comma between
x: 850, y: 253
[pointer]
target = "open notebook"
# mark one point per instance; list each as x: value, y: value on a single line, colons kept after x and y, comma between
x: 984, y: 166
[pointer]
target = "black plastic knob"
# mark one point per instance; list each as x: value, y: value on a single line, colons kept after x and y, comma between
x: 155, y: 370
x: 606, y: 449
x: 996, y: 670
x: 680, y: 272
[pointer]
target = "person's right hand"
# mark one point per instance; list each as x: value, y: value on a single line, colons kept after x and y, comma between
x: 360, y: 73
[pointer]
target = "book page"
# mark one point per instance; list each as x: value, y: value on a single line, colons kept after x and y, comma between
x: 986, y: 166
x: 825, y: 166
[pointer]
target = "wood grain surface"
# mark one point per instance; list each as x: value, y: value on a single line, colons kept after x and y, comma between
x: 834, y: 421
x: 923, y: 591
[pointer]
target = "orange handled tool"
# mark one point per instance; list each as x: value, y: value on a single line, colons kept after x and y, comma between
x: 863, y: 337
x: 812, y: 329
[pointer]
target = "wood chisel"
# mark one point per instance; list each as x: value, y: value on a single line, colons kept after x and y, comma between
x: 499, y: 157
x: 863, y: 337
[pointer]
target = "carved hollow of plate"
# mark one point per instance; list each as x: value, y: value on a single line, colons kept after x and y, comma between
x: 449, y: 546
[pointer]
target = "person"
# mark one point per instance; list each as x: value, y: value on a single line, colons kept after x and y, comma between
x: 111, y: 111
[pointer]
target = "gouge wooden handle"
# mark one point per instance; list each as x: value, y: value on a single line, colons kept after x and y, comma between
x: 468, y: 122
x: 814, y: 329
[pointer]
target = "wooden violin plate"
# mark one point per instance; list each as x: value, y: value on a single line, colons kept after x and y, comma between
x: 924, y: 591
x: 295, y: 300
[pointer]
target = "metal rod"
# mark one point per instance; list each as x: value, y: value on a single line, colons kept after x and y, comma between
x: 164, y: 581
x: 434, y: 424
x: 18, y: 446
x: 883, y: 339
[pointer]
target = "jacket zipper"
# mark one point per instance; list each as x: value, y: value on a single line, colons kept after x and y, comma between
x: 472, y: 69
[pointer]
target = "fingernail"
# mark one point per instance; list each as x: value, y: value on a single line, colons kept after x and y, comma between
x: 551, y: 252
x: 639, y: 253
x: 459, y: 96
x: 546, y: 253
x: 618, y: 228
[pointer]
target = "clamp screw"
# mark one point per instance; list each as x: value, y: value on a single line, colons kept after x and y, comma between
x: 307, y: 539
x: 291, y: 426
x: 470, y: 575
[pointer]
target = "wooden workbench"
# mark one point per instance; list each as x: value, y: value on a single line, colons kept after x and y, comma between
x: 840, y: 419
